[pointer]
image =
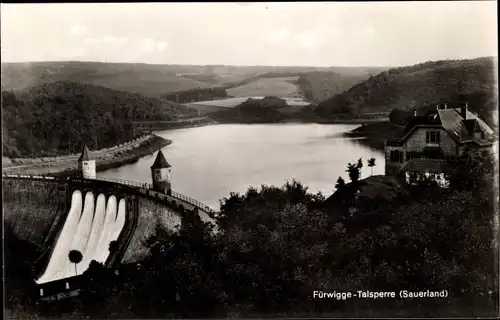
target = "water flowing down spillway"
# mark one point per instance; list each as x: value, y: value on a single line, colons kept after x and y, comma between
x: 58, y: 258
x: 89, y: 228
x: 104, y: 239
x: 97, y: 230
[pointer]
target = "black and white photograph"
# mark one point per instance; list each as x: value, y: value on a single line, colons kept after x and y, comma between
x: 220, y: 160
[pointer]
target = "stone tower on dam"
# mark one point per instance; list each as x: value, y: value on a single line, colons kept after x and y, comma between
x: 86, y: 164
x: 161, y: 174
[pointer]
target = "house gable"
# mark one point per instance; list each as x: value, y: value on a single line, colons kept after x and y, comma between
x: 416, y: 140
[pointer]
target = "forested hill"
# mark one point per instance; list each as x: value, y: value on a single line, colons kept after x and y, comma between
x: 264, y: 110
x: 58, y: 118
x: 409, y: 87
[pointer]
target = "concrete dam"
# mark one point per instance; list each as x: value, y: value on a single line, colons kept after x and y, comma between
x: 60, y: 214
x: 90, y: 226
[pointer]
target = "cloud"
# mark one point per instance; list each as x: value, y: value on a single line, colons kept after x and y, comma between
x: 142, y: 46
x: 279, y: 35
x: 310, y: 40
x: 161, y: 46
x: 78, y: 30
x: 106, y: 40
x: 147, y: 45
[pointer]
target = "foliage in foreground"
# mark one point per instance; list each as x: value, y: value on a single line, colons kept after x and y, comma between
x: 275, y: 246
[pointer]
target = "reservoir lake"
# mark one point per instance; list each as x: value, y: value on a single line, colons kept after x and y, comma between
x: 210, y: 162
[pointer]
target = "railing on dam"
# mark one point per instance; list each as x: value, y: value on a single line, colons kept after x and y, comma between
x: 144, y: 188
x: 176, y: 195
x: 127, y: 182
x: 193, y: 202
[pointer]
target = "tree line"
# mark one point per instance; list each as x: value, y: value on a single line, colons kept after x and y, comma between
x: 197, y: 94
x: 58, y: 118
x: 276, y: 245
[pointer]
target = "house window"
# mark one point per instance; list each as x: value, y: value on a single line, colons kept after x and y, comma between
x: 67, y: 286
x: 41, y: 292
x: 432, y: 137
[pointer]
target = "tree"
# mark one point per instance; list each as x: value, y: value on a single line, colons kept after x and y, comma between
x: 75, y: 257
x: 113, y: 246
x: 340, y: 183
x: 371, y: 164
x: 354, y: 172
x: 359, y: 165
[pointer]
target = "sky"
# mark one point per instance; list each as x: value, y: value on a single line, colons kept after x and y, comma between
x: 239, y: 33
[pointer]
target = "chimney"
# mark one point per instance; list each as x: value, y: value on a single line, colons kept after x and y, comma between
x: 437, y: 106
x: 463, y: 111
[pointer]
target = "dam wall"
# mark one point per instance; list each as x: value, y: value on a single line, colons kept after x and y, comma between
x: 151, y: 215
x: 34, y: 209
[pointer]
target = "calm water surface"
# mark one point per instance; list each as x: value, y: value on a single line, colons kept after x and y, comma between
x: 210, y: 162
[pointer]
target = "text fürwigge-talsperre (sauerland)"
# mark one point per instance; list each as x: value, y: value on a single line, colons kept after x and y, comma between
x: 366, y: 294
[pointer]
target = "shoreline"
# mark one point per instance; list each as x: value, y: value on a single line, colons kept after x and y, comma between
x: 298, y: 120
x: 374, y: 132
x: 129, y: 153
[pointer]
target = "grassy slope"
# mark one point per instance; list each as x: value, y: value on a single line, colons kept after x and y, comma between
x: 281, y: 87
x: 413, y: 86
x: 48, y: 119
x: 151, y: 80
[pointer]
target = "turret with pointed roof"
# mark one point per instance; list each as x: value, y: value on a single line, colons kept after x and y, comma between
x: 160, y: 173
x: 86, y: 164
x: 160, y: 162
x: 85, y: 156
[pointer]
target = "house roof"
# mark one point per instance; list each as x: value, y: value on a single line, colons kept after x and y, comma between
x: 471, y: 125
x: 160, y: 162
x: 461, y: 130
x: 430, y: 118
x: 85, y: 156
x: 424, y: 165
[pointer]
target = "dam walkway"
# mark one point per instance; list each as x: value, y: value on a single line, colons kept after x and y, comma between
x: 206, y: 213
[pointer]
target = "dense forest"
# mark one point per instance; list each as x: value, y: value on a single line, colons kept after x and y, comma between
x: 58, y: 118
x: 253, y: 111
x: 413, y: 87
x: 277, y: 245
x: 201, y: 94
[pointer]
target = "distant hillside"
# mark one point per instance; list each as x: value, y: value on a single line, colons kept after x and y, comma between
x: 267, y: 86
x: 484, y: 104
x: 58, y: 118
x: 155, y: 80
x: 312, y: 83
x: 149, y: 80
x: 320, y: 85
x: 412, y: 87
